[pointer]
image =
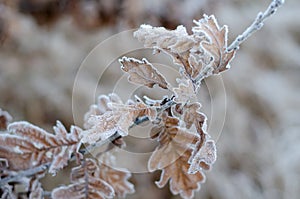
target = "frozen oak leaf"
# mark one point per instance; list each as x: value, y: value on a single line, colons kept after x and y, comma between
x: 142, y: 72
x: 26, y: 146
x: 200, y: 55
x: 203, y: 158
x: 116, y: 177
x: 217, y: 42
x: 172, y: 155
x: 185, y: 92
x: 193, y: 116
x: 101, y: 107
x: 119, y: 119
x: 86, y: 184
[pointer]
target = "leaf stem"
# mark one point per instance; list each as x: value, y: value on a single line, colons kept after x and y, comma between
x: 256, y: 25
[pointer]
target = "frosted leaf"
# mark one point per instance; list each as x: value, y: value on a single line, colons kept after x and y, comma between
x: 193, y: 116
x: 5, y: 119
x: 200, y: 55
x: 217, y: 42
x: 207, y: 155
x: 26, y: 146
x: 142, y: 72
x: 185, y: 92
x: 86, y: 184
x: 172, y: 155
x: 174, y: 41
x: 118, y: 120
x: 101, y: 106
x: 116, y: 177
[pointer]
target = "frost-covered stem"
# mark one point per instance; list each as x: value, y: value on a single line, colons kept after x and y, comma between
x: 256, y: 25
x: 26, y: 173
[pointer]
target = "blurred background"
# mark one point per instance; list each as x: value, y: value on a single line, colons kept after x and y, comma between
x: 44, y: 42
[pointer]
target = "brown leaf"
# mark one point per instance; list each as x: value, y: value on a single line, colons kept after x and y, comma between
x: 5, y: 119
x: 200, y: 55
x: 193, y: 116
x: 180, y: 181
x: 101, y: 107
x: 86, y: 184
x: 26, y: 146
x: 172, y: 155
x: 217, y: 43
x: 116, y: 177
x: 142, y: 72
x: 119, y: 119
x: 203, y: 158
x: 185, y: 92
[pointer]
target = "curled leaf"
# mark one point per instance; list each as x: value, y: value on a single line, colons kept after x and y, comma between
x: 203, y: 158
x: 142, y: 72
x: 217, y: 42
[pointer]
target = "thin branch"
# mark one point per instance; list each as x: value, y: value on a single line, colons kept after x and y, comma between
x: 256, y: 25
x: 26, y: 173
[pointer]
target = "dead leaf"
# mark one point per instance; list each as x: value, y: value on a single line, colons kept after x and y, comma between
x: 116, y: 177
x: 217, y: 42
x: 86, y: 184
x: 26, y: 146
x: 119, y: 119
x: 142, y: 72
x: 204, y: 158
x: 185, y: 92
x: 172, y: 155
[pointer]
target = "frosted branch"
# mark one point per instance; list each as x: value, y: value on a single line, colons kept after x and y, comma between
x: 256, y: 25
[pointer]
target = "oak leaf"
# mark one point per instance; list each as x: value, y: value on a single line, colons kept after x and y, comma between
x: 172, y: 155
x: 217, y: 42
x: 119, y: 119
x: 26, y: 146
x: 86, y: 184
x: 101, y: 107
x: 116, y: 177
x: 185, y: 92
x: 142, y: 72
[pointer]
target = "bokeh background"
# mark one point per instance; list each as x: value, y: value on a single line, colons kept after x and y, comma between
x: 44, y: 42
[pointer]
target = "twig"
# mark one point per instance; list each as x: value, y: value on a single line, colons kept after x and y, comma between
x: 26, y: 173
x: 256, y: 25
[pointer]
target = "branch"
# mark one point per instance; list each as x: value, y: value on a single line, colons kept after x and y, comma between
x: 256, y: 25
x: 26, y: 173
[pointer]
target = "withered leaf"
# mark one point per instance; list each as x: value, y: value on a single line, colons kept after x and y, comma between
x: 181, y: 182
x: 119, y: 119
x: 101, y: 107
x: 172, y: 155
x: 116, y: 177
x: 26, y: 146
x: 193, y: 116
x: 217, y: 43
x: 185, y: 92
x: 142, y: 72
x: 86, y: 184
x: 203, y: 158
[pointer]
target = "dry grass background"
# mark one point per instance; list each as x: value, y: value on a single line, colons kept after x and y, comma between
x: 42, y: 48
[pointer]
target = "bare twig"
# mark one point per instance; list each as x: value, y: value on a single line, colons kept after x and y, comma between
x: 256, y: 25
x: 26, y: 173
